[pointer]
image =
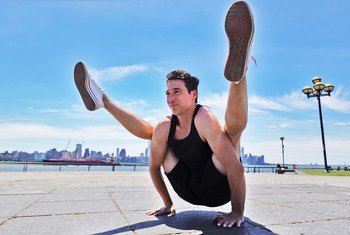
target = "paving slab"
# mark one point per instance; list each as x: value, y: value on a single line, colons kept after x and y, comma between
x: 115, y: 202
x: 20, y: 199
x: 290, y: 197
x: 272, y: 214
x: 9, y: 210
x: 74, y: 196
x: 338, y: 226
x: 79, y: 190
x: 331, y: 211
x: 67, y: 207
x: 65, y: 224
x: 15, y: 190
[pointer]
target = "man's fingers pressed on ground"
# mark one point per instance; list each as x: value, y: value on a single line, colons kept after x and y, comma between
x: 239, y: 222
x: 232, y: 223
x: 151, y: 212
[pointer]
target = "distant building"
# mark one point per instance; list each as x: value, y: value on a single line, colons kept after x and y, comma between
x: 250, y: 159
x: 77, y: 153
x: 66, y: 155
x: 96, y: 155
x: 122, y: 153
x: 253, y: 160
x: 78, y: 150
x: 242, y: 152
x: 24, y: 157
x: 6, y: 156
x: 87, y: 153
x: 53, y: 154
x: 38, y: 156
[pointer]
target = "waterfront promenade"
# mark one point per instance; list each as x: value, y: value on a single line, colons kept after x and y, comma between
x: 115, y: 203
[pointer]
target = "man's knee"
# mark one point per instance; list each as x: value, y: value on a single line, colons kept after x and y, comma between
x: 234, y: 132
x: 235, y: 127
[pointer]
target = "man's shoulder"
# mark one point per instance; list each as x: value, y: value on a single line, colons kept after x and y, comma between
x: 163, y: 126
x: 164, y: 121
x: 204, y: 114
x: 206, y: 120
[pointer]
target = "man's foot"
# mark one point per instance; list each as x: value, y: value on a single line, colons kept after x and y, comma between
x: 239, y: 27
x: 90, y: 92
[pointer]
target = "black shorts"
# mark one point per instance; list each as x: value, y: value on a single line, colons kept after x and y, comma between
x: 207, y: 187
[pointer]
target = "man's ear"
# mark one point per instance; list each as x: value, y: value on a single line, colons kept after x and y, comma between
x: 195, y: 94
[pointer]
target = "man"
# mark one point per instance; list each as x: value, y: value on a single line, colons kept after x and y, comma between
x: 199, y: 156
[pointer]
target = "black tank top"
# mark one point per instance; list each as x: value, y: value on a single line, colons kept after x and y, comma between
x: 192, y: 150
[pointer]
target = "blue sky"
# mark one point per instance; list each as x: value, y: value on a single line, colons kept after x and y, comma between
x: 130, y: 46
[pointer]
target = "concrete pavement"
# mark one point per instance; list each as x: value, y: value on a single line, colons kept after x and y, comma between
x: 115, y: 202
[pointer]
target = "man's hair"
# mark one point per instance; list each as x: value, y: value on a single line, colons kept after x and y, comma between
x: 191, y: 82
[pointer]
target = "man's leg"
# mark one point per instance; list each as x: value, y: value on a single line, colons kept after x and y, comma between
x: 94, y: 98
x: 236, y: 112
x: 134, y: 124
x: 239, y: 27
x: 235, y: 118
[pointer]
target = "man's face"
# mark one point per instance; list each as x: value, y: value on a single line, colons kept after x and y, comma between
x: 178, y: 98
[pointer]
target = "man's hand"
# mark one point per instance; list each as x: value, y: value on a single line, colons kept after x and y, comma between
x: 165, y: 210
x: 229, y: 219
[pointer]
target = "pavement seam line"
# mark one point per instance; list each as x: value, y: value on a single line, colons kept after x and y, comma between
x: 122, y: 213
x: 15, y: 215
x: 309, y: 221
x: 74, y: 214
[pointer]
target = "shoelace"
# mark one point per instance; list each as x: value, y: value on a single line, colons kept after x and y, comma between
x: 98, y: 85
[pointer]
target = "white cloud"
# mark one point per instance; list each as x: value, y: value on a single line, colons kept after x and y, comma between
x: 116, y: 73
x: 74, y: 112
x: 269, y: 104
x: 338, y: 101
x: 130, y: 105
x: 296, y: 100
x: 30, y: 137
x: 214, y: 100
x: 342, y: 123
x: 281, y: 126
x: 12, y: 130
x: 50, y: 110
x: 284, y: 125
x: 218, y: 102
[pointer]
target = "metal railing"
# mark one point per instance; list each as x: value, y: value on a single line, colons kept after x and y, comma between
x: 64, y: 166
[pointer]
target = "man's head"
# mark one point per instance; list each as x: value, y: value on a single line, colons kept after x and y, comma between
x: 191, y: 82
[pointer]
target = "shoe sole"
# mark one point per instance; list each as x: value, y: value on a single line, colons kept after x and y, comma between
x: 82, y: 83
x: 239, y: 27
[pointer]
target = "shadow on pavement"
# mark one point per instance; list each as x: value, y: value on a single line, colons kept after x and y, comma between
x: 194, y: 220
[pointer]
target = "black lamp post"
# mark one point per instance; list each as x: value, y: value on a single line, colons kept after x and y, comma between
x: 282, y: 138
x: 320, y: 90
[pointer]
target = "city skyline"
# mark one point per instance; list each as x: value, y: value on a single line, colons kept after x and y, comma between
x: 119, y: 156
x: 130, y: 46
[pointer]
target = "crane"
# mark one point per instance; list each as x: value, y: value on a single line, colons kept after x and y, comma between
x: 68, y: 144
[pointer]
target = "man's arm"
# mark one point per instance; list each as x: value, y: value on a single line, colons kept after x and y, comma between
x: 210, y: 129
x: 158, y: 153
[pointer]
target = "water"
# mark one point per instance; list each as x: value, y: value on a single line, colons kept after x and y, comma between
x: 18, y: 167
x: 25, y: 167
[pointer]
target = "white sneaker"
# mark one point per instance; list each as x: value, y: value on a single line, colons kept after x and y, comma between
x: 239, y: 27
x: 90, y: 91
